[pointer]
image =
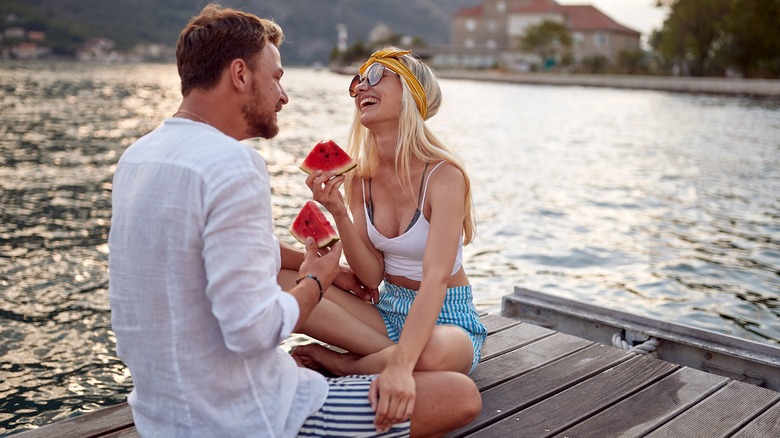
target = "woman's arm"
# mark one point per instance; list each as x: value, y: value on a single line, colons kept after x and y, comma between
x: 364, y: 260
x: 395, y: 382
x: 291, y: 257
x: 445, y: 207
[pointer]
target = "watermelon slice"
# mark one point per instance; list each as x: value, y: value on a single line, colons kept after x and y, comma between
x: 327, y: 156
x: 312, y: 222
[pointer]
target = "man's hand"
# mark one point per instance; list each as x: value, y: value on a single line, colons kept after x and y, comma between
x: 323, y: 263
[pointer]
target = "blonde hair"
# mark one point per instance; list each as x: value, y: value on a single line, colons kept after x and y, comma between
x: 414, y: 140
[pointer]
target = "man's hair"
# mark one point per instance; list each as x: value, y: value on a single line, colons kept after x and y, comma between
x: 214, y: 38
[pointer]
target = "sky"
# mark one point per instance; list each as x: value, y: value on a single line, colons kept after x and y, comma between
x: 640, y: 15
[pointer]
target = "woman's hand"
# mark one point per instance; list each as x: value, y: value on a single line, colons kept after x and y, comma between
x: 349, y: 281
x: 325, y: 190
x: 392, y: 396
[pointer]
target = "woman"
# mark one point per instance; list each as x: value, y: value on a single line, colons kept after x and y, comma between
x: 410, y: 203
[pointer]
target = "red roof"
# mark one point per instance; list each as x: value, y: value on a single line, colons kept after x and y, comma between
x: 539, y: 7
x: 579, y: 17
x: 473, y: 11
x: 588, y: 18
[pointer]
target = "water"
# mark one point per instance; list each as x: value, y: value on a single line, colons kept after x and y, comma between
x: 664, y: 205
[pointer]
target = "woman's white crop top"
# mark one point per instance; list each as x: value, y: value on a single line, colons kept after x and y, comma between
x: 403, y: 254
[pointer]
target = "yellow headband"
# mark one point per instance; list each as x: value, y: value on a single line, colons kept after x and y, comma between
x: 389, y: 58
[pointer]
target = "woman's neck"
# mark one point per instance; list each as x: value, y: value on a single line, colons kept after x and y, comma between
x: 386, y: 147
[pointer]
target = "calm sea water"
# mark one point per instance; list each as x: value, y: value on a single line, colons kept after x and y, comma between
x: 664, y: 205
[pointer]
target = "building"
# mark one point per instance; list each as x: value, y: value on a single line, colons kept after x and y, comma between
x: 487, y: 35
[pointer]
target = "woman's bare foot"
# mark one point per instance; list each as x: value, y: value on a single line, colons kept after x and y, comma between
x: 319, y: 357
x: 303, y: 361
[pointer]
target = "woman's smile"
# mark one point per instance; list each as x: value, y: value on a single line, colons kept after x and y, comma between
x: 368, y: 101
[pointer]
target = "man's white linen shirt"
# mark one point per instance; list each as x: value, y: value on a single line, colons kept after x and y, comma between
x: 196, y: 307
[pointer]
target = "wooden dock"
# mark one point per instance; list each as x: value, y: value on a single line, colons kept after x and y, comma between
x: 537, y: 382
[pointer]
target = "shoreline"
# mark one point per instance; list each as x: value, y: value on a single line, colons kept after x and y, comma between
x: 753, y: 88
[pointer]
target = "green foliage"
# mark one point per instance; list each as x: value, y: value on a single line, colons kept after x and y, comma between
x: 755, y: 31
x: 567, y: 59
x: 632, y: 61
x: 711, y: 37
x: 594, y: 64
x: 309, y: 25
x: 356, y: 52
x: 68, y: 23
x: 547, y: 39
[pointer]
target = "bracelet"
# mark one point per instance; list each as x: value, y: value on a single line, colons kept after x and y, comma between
x: 313, y: 277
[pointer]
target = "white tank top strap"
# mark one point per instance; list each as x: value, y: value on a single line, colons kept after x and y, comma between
x: 368, y: 207
x: 427, y: 179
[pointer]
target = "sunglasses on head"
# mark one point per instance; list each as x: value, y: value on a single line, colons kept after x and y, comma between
x: 373, y: 75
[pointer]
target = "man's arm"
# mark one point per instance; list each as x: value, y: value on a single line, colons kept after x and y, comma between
x: 292, y: 258
x: 316, y: 274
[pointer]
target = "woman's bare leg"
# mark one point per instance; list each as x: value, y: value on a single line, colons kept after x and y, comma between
x: 444, y: 402
x: 347, y: 322
x: 448, y: 349
x: 343, y: 320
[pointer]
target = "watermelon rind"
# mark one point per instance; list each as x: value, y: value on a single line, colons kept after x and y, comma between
x: 327, y: 156
x: 310, y: 221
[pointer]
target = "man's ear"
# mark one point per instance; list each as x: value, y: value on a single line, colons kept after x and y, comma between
x: 239, y: 73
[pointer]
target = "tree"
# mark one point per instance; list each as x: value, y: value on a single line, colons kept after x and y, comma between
x: 594, y: 63
x: 755, y: 40
x: 694, y: 33
x: 632, y: 61
x: 714, y: 36
x: 356, y: 52
x: 546, y: 39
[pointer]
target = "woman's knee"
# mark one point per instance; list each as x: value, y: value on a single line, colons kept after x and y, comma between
x: 471, y: 405
x: 445, y: 401
x: 448, y: 349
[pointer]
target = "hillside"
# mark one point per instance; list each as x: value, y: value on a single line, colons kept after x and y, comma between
x: 310, y: 25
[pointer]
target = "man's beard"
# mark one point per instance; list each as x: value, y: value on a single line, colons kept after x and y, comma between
x: 259, y: 125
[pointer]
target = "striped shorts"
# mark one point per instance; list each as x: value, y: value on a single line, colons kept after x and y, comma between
x: 458, y: 309
x: 348, y: 413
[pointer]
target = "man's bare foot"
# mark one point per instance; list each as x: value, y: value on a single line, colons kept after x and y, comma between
x: 318, y: 357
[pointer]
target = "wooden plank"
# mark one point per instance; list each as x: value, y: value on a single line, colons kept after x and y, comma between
x: 651, y: 407
x: 512, y: 339
x: 510, y: 397
x: 499, y: 369
x: 718, y: 353
x: 496, y: 323
x: 721, y: 414
x: 561, y: 410
x: 767, y: 424
x: 124, y: 433
x: 539, y: 382
x: 93, y: 424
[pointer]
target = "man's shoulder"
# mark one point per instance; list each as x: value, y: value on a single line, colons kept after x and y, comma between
x: 201, y: 148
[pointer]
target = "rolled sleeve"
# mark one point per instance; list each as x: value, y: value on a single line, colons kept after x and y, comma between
x: 241, y: 257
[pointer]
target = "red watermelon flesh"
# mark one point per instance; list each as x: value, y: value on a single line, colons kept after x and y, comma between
x: 327, y: 156
x: 312, y: 222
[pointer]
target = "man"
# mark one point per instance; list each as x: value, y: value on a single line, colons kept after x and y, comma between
x: 196, y: 307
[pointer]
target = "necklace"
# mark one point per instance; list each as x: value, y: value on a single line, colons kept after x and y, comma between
x: 192, y: 114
